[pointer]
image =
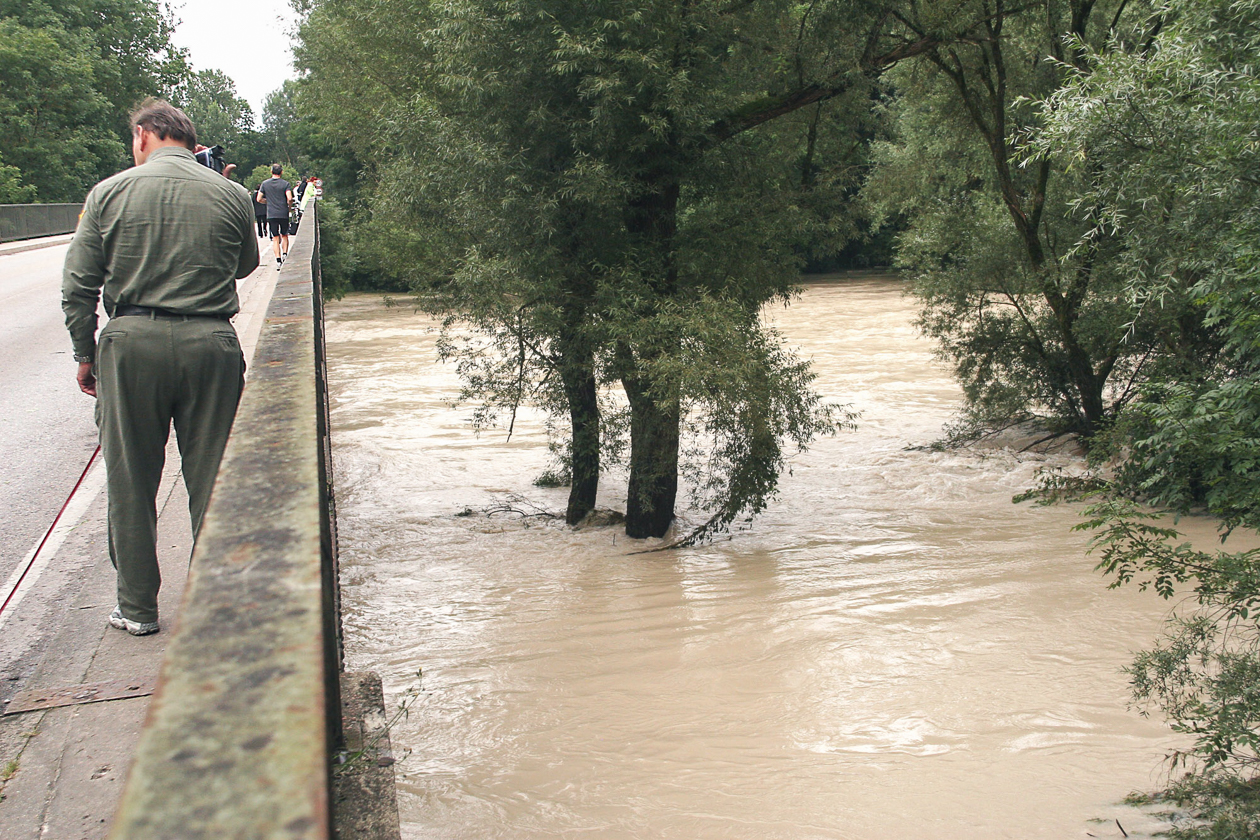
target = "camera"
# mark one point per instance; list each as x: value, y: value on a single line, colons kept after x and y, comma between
x: 211, y: 156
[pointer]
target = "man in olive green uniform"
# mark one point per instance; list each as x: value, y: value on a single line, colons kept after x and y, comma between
x: 166, y: 242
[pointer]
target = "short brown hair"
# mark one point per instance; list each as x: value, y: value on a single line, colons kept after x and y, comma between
x: 166, y: 121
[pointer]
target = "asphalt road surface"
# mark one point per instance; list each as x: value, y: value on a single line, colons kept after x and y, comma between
x: 47, y: 432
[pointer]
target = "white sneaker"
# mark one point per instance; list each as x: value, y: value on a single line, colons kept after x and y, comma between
x: 135, y: 628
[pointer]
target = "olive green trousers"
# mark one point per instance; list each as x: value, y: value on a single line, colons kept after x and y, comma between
x: 151, y: 371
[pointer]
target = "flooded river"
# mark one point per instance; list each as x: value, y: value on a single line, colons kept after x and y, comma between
x: 893, y: 651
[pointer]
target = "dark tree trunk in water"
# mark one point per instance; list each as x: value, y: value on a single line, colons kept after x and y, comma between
x: 579, y: 388
x: 652, y: 219
x: 653, y: 462
x: 1090, y: 385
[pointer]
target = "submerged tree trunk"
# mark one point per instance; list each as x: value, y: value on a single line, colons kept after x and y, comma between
x: 576, y: 368
x: 653, y: 460
x: 1090, y: 385
x: 580, y: 391
x: 652, y: 219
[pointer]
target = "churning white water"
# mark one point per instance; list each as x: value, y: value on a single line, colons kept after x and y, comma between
x: 893, y: 651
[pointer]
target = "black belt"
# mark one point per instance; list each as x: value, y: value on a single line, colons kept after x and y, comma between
x: 153, y: 312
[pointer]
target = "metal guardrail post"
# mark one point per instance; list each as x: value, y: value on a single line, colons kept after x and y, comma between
x: 247, y: 709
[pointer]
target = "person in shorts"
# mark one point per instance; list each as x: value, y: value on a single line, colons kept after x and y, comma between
x: 276, y: 193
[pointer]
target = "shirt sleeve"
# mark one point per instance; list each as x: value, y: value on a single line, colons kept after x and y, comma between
x: 82, y: 279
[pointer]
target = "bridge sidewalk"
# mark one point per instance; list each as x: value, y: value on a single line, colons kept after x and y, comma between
x: 20, y: 245
x: 62, y: 767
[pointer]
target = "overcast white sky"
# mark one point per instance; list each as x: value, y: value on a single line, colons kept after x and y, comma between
x: 246, y: 39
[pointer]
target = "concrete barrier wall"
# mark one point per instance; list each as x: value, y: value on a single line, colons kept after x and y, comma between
x: 28, y: 221
x: 247, y: 710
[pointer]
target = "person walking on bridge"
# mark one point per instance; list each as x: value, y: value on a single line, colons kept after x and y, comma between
x: 165, y: 241
x: 260, y: 212
x: 278, y: 196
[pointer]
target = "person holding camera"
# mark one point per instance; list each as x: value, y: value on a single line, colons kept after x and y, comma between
x: 165, y: 242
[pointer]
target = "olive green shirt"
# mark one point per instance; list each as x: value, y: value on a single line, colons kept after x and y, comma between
x: 169, y: 234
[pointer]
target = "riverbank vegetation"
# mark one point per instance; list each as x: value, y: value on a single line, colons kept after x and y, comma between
x: 1031, y: 313
x: 608, y: 193
x: 573, y: 182
x: 1168, y: 131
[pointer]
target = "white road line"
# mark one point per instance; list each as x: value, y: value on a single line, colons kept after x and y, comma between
x: 78, y: 506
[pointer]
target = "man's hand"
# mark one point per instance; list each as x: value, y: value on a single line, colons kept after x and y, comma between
x: 227, y: 170
x: 87, y: 382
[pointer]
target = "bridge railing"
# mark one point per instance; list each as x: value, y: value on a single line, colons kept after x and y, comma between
x: 27, y: 221
x: 247, y: 711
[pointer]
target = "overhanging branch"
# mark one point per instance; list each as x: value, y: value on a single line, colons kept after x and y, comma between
x: 773, y: 106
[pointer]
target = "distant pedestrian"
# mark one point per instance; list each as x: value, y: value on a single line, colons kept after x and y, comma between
x: 260, y: 213
x: 275, y: 191
x: 308, y: 195
x: 165, y: 241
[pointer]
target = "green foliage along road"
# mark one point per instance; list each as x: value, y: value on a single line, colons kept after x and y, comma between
x: 70, y: 73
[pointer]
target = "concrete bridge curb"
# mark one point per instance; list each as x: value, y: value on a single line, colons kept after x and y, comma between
x: 246, y: 718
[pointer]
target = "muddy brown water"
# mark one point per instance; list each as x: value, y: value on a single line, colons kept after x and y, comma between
x: 893, y: 650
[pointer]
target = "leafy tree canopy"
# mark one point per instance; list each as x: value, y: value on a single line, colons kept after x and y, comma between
x: 130, y: 42
x: 209, y: 99
x: 56, y: 128
x: 598, y: 187
x: 12, y: 190
x: 70, y: 73
x: 1030, y: 315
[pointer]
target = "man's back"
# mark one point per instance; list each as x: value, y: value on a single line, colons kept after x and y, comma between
x: 275, y: 190
x: 170, y: 234
x: 166, y: 242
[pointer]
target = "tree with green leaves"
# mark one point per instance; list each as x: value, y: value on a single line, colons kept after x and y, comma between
x: 70, y: 73
x: 279, y: 117
x: 12, y: 190
x: 1030, y: 314
x: 55, y: 126
x: 210, y: 100
x: 625, y: 185
x: 1166, y: 131
x: 128, y: 43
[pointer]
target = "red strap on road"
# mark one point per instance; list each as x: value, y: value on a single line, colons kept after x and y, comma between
x: 48, y: 533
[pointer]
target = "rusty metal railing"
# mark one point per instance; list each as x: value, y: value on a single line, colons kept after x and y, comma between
x: 247, y: 710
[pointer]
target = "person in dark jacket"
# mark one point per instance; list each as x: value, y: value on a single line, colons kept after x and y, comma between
x: 260, y: 212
